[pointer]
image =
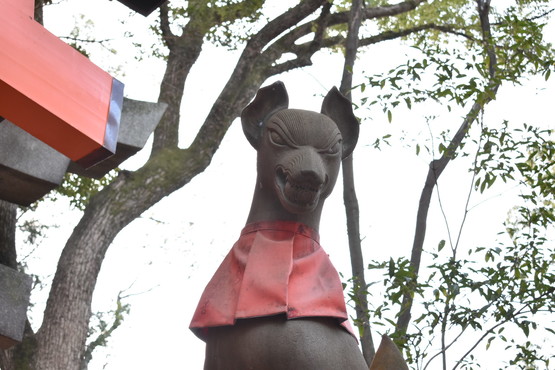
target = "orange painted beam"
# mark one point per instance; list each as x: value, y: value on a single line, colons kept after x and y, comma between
x: 52, y: 91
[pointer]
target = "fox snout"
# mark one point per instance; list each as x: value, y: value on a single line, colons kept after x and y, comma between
x: 307, y: 166
x: 302, y: 178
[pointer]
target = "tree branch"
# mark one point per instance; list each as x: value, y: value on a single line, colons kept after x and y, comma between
x: 490, y: 330
x: 289, y: 39
x: 483, y: 12
x: 536, y: 17
x: 446, y: 348
x: 183, y: 54
x: 436, y: 169
x: 378, y: 11
x: 321, y: 25
x: 305, y: 51
x: 252, y: 69
x: 167, y: 36
x: 391, y: 35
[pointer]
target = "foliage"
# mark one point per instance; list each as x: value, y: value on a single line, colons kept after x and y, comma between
x: 101, y: 327
x: 33, y: 230
x: 526, y: 152
x: 225, y: 23
x: 497, y: 290
x: 448, y: 76
x: 478, y: 299
x: 81, y: 189
x: 455, y: 73
x: 82, y: 39
x: 493, y: 290
x: 231, y: 32
x: 446, y: 12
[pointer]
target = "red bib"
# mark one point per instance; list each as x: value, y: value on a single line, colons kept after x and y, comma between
x: 275, y: 267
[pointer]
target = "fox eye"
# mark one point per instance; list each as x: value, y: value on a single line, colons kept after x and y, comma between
x: 335, y: 148
x: 276, y: 138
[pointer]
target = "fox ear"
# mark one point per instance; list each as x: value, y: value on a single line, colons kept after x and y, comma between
x: 340, y: 110
x: 267, y: 101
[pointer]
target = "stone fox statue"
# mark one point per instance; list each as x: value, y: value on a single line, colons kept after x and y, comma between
x: 276, y: 301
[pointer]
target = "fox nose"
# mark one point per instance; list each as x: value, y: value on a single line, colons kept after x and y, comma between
x: 312, y: 176
x: 311, y: 167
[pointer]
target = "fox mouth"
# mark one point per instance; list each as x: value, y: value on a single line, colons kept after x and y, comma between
x: 299, y: 195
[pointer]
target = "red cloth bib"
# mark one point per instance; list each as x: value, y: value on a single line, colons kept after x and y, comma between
x: 275, y: 267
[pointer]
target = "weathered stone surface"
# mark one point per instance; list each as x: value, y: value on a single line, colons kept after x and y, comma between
x: 28, y: 167
x: 388, y: 357
x: 276, y: 301
x: 138, y: 121
x: 15, y: 288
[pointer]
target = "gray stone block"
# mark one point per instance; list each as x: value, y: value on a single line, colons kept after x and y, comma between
x: 28, y: 167
x: 138, y: 121
x: 15, y: 289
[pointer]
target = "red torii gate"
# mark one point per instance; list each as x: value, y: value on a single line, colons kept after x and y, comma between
x: 54, y: 92
x: 58, y: 96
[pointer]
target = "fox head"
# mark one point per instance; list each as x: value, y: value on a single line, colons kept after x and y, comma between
x: 299, y: 151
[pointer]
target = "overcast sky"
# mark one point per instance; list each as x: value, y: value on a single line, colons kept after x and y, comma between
x: 167, y: 256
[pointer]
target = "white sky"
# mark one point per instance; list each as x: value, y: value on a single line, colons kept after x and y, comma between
x: 168, y: 256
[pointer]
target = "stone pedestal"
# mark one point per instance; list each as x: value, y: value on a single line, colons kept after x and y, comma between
x: 15, y: 288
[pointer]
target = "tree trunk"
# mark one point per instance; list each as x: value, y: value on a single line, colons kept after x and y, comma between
x: 38, y: 14
x: 357, y: 260
x: 61, y: 338
x: 350, y: 198
x: 8, y: 258
x: 184, y: 52
x: 8, y: 213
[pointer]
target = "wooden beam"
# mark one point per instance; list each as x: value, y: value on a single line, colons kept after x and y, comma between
x: 52, y: 91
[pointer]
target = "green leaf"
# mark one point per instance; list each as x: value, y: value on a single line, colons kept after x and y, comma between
x: 391, y: 267
x: 525, y: 328
x: 483, y: 186
x: 441, y: 245
x: 489, y: 342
